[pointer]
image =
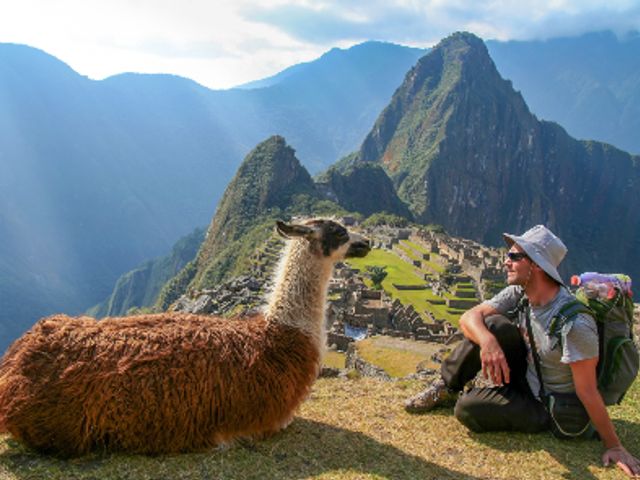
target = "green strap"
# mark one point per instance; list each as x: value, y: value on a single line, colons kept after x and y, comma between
x: 567, y: 313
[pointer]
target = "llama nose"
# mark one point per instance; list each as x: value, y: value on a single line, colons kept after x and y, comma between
x: 359, y: 248
x: 363, y: 242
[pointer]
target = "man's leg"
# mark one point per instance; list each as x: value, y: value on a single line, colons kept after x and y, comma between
x: 506, y: 408
x: 463, y: 364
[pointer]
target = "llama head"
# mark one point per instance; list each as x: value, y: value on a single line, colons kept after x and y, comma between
x: 327, y: 238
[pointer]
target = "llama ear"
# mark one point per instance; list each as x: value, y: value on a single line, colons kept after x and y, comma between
x: 293, y: 230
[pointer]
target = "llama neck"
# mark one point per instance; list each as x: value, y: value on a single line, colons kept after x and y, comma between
x: 300, y: 291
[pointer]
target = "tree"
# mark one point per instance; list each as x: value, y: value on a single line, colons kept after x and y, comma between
x: 377, y: 274
x: 384, y: 218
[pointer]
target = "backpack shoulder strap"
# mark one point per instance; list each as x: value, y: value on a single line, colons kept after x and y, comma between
x: 567, y: 313
x: 534, y: 352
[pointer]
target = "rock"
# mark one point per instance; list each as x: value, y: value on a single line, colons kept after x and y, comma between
x: 329, y: 372
x: 363, y: 367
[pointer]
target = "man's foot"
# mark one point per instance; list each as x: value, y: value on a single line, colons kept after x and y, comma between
x: 436, y: 395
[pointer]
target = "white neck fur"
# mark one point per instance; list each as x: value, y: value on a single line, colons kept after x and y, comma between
x: 300, y: 291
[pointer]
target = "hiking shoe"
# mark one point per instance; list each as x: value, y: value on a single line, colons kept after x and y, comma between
x: 438, y: 394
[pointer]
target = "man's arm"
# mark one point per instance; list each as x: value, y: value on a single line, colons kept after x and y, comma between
x: 492, y: 357
x: 584, y: 379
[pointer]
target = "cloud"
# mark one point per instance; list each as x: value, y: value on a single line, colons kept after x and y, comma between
x: 221, y: 43
x: 425, y: 22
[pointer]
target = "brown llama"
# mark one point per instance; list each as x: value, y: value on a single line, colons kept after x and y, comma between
x: 176, y: 382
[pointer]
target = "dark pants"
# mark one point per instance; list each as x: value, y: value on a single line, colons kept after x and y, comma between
x: 510, y: 407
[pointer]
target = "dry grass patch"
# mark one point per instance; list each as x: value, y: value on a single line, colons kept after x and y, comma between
x: 354, y: 430
x: 393, y: 355
x: 334, y: 359
x: 397, y: 363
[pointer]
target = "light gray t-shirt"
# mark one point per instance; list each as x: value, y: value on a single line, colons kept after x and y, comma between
x: 579, y: 339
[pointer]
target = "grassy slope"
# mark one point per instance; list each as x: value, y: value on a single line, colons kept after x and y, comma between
x: 398, y: 357
x: 355, y: 429
x: 401, y: 272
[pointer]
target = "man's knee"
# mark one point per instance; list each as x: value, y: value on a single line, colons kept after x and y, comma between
x: 468, y: 411
x: 500, y: 409
x: 505, y: 330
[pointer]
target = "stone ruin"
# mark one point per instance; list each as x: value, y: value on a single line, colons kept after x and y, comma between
x: 355, y: 308
x: 372, y: 312
x: 468, y: 260
x: 239, y: 296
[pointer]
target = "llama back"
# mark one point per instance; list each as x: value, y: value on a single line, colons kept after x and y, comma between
x: 156, y: 383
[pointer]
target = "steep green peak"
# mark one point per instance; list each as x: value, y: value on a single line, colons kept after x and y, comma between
x: 461, y: 43
x: 467, y: 56
x: 268, y: 154
x: 267, y: 181
x: 270, y: 184
x: 444, y: 64
x: 269, y: 175
x: 408, y: 131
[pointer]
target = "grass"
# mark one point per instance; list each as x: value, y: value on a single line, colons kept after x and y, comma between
x: 408, y: 252
x: 401, y: 272
x: 398, y: 270
x: 396, y: 362
x: 433, y: 266
x: 334, y: 359
x: 355, y: 429
x: 397, y: 357
x: 406, y: 271
x: 416, y: 246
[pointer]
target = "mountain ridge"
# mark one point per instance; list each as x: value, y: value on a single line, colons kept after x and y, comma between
x: 270, y: 184
x: 98, y: 176
x: 95, y: 203
x: 460, y: 144
x: 588, y: 84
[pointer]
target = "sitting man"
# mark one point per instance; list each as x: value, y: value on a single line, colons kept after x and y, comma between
x: 500, y: 347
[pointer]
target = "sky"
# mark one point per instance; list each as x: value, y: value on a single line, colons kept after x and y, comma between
x: 224, y: 43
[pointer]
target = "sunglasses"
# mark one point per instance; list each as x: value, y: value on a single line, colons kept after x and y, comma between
x: 516, y: 256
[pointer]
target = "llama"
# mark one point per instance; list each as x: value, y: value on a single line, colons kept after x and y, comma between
x: 176, y: 382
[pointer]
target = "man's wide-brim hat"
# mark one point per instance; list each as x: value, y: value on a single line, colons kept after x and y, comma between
x: 542, y: 247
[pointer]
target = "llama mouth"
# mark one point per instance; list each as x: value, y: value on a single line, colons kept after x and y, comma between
x: 358, y: 249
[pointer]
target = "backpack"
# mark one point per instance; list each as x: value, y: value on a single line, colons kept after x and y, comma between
x: 619, y: 360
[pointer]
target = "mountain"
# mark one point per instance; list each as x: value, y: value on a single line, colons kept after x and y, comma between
x: 359, y: 65
x: 464, y: 151
x: 140, y: 287
x: 588, y: 84
x: 361, y: 187
x: 270, y: 184
x: 97, y: 177
x: 92, y: 181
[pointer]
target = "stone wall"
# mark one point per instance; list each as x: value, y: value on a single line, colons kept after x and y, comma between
x: 364, y: 368
x: 242, y: 293
x: 410, y: 287
x: 340, y: 341
x: 462, y: 304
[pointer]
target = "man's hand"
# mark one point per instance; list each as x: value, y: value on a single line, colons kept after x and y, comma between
x: 623, y: 459
x: 494, y: 362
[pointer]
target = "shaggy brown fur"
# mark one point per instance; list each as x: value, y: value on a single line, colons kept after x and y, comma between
x: 176, y: 382
x: 152, y: 383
